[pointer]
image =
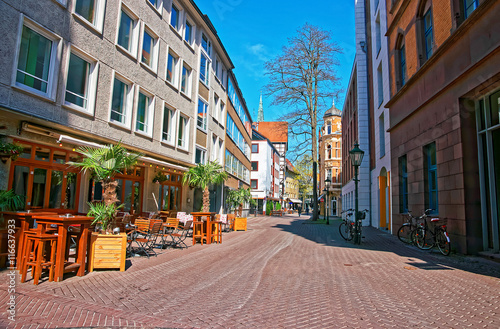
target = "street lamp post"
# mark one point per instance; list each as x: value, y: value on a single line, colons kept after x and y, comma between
x: 356, y: 155
x: 327, y: 189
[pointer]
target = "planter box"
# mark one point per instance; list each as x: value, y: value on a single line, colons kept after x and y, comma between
x: 240, y: 224
x: 107, y: 251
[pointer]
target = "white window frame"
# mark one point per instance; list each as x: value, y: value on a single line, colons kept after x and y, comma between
x: 154, y: 52
x: 189, y: 80
x: 172, y: 128
x: 192, y: 37
x: 215, y: 108
x: 221, y: 151
x: 134, y: 38
x: 91, y: 82
x: 54, y: 61
x: 206, y: 82
x: 180, y: 10
x: 209, y: 45
x: 214, y: 148
x: 185, y: 137
x: 149, y: 115
x: 158, y: 7
x: 175, y: 71
x: 222, y: 110
x: 63, y: 3
x: 129, y: 106
x: 205, y: 121
x: 99, y: 7
x: 203, y: 154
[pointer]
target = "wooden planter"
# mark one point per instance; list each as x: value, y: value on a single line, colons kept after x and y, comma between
x: 107, y: 251
x: 240, y: 224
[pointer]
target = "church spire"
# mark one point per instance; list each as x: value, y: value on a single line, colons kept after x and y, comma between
x: 260, y: 116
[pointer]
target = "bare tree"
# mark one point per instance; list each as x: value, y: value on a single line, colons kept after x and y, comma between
x: 303, y: 79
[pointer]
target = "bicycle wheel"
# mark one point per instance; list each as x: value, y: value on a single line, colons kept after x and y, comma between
x: 345, y: 231
x: 443, y: 242
x: 405, y: 233
x: 423, y: 238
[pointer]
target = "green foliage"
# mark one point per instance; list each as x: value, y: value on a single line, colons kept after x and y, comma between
x: 202, y: 176
x: 10, y: 201
x: 160, y: 177
x: 236, y: 198
x: 106, y: 162
x: 269, y: 207
x: 102, y: 213
x: 11, y: 149
x: 277, y: 206
x: 305, y: 176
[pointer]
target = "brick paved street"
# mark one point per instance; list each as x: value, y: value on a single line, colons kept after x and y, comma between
x: 281, y: 273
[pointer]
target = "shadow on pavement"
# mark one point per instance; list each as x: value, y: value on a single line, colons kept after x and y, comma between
x: 375, y: 239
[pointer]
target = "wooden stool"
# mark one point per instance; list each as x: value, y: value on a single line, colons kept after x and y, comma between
x: 217, y: 231
x: 198, y: 231
x: 33, y: 255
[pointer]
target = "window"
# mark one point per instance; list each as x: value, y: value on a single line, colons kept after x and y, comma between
x: 186, y: 80
x: 81, y: 82
x: 215, y: 108
x: 254, y: 184
x: 255, y: 165
x: 221, y: 112
x: 200, y: 155
x: 219, y: 69
x: 128, y: 32
x: 381, y: 129
x: 175, y: 17
x: 37, y: 61
x: 172, y: 68
x: 206, y: 44
x: 149, y: 56
x: 329, y: 174
x: 91, y: 12
x: 168, y: 128
x: 470, y: 6
x: 430, y: 166
x: 380, y: 85
x: 221, y: 150
x: 402, y: 65
x: 429, y: 38
x: 328, y: 151
x: 157, y: 4
x: 145, y: 112
x: 403, y: 185
x: 255, y: 148
x: 204, y: 69
x: 378, y: 35
x: 121, y: 101
x: 188, y: 32
x: 328, y: 128
x: 202, y: 114
x: 182, y: 132
x: 215, y: 148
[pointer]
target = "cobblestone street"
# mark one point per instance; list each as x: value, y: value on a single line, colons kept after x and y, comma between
x: 283, y: 272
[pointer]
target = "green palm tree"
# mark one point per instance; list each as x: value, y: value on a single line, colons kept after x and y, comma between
x: 202, y: 176
x: 237, y: 198
x: 10, y: 201
x: 104, y: 164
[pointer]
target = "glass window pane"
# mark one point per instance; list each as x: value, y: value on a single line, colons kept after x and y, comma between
x: 129, y: 195
x: 26, y: 154
x: 42, y: 154
x: 135, y: 201
x: 125, y: 31
x: 119, y: 101
x: 166, y: 197
x: 171, y: 202
x: 174, y: 18
x: 56, y: 182
x: 70, y: 193
x: 34, y: 60
x: 147, y: 49
x: 85, y: 8
x: 166, y: 125
x: 20, y: 182
x: 119, y: 190
x: 38, y: 193
x: 59, y: 157
x: 495, y: 108
x: 76, y: 85
x: 189, y: 29
x: 142, y: 106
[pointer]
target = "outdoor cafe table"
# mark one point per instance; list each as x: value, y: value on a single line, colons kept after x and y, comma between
x: 63, y: 223
x: 207, y: 232
x: 24, y: 220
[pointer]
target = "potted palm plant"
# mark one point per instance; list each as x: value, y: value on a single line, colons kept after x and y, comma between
x: 204, y: 175
x: 236, y: 199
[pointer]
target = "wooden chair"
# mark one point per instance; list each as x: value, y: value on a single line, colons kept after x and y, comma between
x: 197, y: 231
x: 147, y: 240
x: 34, y: 255
x: 230, y: 219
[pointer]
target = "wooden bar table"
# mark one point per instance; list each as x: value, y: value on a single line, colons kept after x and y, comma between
x: 210, y: 216
x: 24, y: 221
x: 63, y: 223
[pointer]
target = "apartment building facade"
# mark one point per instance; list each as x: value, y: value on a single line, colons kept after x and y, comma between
x: 445, y: 94
x: 153, y: 75
x: 330, y: 160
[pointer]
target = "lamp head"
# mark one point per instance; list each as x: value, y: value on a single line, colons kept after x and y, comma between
x: 356, y: 155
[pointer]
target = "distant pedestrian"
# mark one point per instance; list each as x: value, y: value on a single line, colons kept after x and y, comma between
x: 307, y: 210
x: 299, y: 209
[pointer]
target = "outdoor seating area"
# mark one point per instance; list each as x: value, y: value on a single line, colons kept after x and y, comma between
x: 54, y: 244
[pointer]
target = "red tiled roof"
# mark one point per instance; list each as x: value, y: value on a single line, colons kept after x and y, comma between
x: 276, y: 132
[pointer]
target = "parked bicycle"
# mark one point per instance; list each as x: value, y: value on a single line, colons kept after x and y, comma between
x: 357, y: 230
x: 346, y: 228
x: 427, y: 236
x: 407, y: 230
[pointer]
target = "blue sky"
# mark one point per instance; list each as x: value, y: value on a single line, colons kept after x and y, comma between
x: 254, y: 31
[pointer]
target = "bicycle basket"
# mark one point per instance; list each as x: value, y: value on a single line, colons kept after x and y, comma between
x: 361, y: 215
